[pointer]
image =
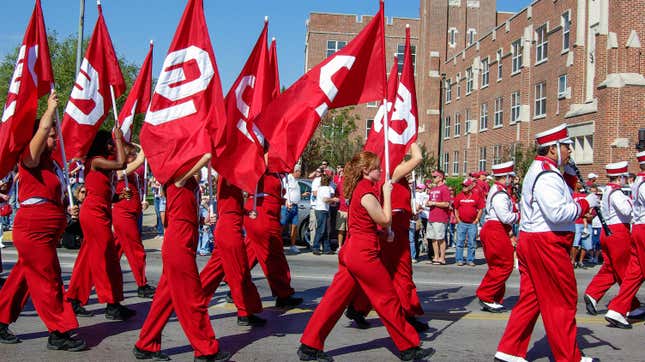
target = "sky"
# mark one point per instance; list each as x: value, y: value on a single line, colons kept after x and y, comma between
x: 234, y: 26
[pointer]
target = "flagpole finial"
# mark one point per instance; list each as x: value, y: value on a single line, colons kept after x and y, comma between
x: 273, y: 38
x: 98, y: 2
x: 152, y: 42
x: 266, y: 19
x: 407, y: 26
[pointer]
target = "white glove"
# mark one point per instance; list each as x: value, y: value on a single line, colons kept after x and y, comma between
x: 593, y: 200
x: 569, y: 170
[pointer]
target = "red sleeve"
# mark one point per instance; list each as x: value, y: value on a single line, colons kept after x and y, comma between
x: 584, y: 206
x: 456, y: 201
x: 571, y: 180
x: 482, y: 202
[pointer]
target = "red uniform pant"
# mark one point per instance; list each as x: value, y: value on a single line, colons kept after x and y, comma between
x: 36, y: 232
x: 634, y: 275
x: 547, y: 287
x: 180, y: 287
x: 498, y: 251
x: 360, y: 266
x: 98, y: 261
x: 616, y: 254
x: 229, y: 258
x: 128, y: 240
x: 398, y: 262
x: 264, y: 242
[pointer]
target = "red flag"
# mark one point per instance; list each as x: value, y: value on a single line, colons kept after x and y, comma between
x: 138, y: 100
x: 242, y: 140
x: 90, y: 101
x: 187, y: 101
x: 32, y: 79
x: 273, y: 60
x: 375, y: 138
x: 353, y: 75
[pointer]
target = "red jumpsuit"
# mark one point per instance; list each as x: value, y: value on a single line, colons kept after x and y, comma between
x: 230, y: 255
x: 616, y: 249
x: 180, y: 278
x: 264, y: 235
x: 98, y: 260
x: 125, y: 218
x: 37, y: 230
x: 360, y: 266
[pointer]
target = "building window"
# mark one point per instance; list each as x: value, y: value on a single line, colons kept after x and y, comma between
x: 455, y: 163
x: 368, y: 126
x: 465, y: 169
x: 566, y: 30
x: 458, y: 89
x: 483, y: 117
x: 499, y: 64
x: 582, y: 148
x: 446, y: 127
x: 334, y: 45
x: 472, y: 36
x: 372, y: 104
x: 469, y: 80
x: 499, y: 111
x: 562, y: 86
x: 497, y: 154
x: 515, y: 107
x: 467, y: 122
x: 517, y: 55
x: 457, y: 124
x: 448, y: 90
x: 452, y: 37
x: 400, y: 56
x: 482, y: 158
x: 485, y: 72
x: 542, y: 44
x: 446, y: 161
x: 540, y: 99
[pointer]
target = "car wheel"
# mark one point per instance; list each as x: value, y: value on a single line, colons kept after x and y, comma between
x: 304, y: 234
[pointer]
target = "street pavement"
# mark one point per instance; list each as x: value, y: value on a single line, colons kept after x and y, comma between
x: 459, y: 330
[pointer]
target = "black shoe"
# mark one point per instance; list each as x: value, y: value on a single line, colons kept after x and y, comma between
x: 229, y: 298
x: 79, y: 310
x: 416, y: 354
x: 590, y: 304
x: 306, y: 353
x: 155, y: 356
x: 331, y: 252
x: 118, y: 312
x: 357, y: 317
x: 251, y: 320
x: 288, y: 302
x: 220, y: 356
x: 146, y: 291
x: 418, y: 325
x: 6, y: 336
x: 64, y: 342
x: 316, y: 252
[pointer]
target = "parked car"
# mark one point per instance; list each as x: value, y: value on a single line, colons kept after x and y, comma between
x: 303, y: 212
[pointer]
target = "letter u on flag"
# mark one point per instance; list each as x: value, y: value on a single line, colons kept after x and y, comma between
x: 353, y: 75
x: 90, y: 101
x: 138, y: 100
x: 32, y: 78
x: 187, y: 102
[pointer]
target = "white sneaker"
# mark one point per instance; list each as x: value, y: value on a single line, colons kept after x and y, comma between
x: 617, y: 320
x: 500, y: 356
x: 638, y: 313
x: 294, y: 249
x: 590, y: 304
x: 588, y: 359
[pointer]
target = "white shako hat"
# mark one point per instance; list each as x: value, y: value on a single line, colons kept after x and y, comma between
x: 641, y: 157
x: 617, y: 169
x: 503, y: 169
x: 554, y: 135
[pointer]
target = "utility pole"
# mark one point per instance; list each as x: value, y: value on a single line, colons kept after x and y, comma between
x: 79, y: 44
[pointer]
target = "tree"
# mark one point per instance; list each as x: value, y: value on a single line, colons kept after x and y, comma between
x: 427, y: 165
x: 63, y: 53
x: 523, y: 155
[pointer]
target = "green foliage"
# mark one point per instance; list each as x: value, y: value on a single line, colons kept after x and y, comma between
x: 427, y: 165
x: 523, y: 156
x: 455, y: 183
x: 63, y: 54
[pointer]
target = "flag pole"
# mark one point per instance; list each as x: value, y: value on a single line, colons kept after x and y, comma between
x: 386, y: 120
x: 414, y: 193
x: 61, y: 143
x: 211, y: 209
x: 117, y: 125
x: 145, y: 179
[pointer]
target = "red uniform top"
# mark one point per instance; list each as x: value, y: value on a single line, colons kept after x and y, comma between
x: 401, y: 197
x: 271, y: 186
x: 469, y: 205
x: 439, y: 193
x: 359, y: 222
x: 229, y: 199
x: 98, y: 183
x: 182, y: 202
x: 134, y: 203
x: 41, y: 181
x: 577, y: 196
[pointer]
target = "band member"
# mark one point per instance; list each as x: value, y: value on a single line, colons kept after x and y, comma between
x: 360, y: 265
x: 497, y: 238
x: 126, y: 212
x: 621, y: 305
x: 547, y: 282
x: 180, y: 278
x: 98, y: 261
x: 616, y: 207
x: 37, y: 228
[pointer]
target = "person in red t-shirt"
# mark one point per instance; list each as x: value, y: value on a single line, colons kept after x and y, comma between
x: 468, y: 206
x: 438, y: 217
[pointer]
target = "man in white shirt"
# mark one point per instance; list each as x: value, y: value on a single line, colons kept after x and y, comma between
x: 289, y: 212
x: 315, y: 184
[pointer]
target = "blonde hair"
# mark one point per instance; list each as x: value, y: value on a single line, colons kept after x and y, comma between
x: 354, y: 170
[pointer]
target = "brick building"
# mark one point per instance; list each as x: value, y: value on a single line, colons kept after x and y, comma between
x: 488, y: 81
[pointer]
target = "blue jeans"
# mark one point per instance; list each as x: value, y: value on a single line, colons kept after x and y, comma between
x: 413, y: 238
x: 158, y: 213
x: 289, y: 216
x: 321, y: 228
x: 450, y: 235
x: 205, y: 240
x: 464, y: 231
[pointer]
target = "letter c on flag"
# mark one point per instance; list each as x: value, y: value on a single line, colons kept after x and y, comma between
x: 16, y: 80
x: 326, y: 84
x: 403, y: 112
x: 86, y: 89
